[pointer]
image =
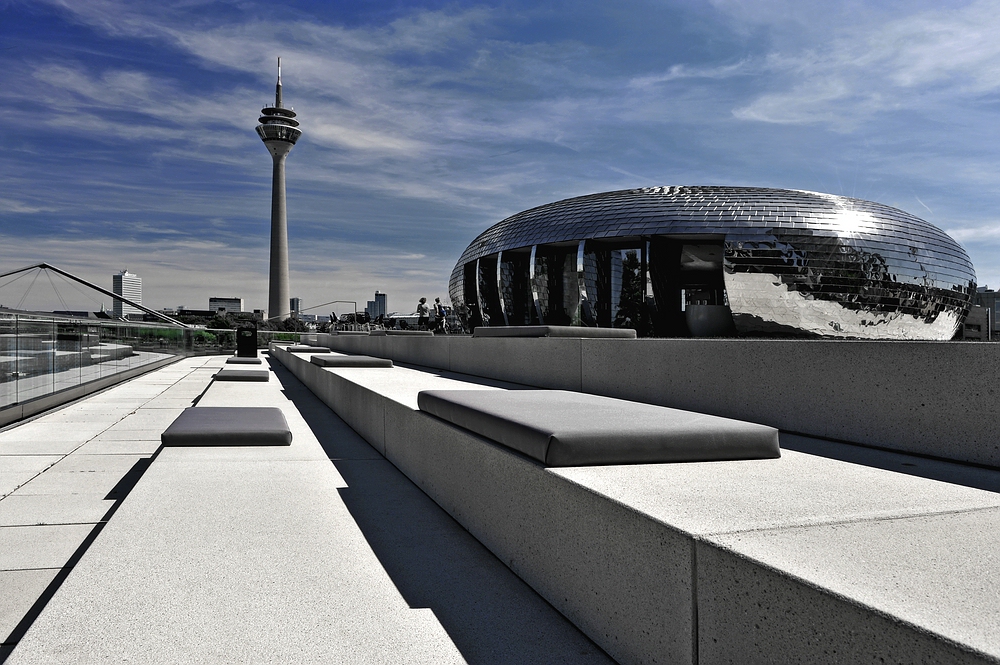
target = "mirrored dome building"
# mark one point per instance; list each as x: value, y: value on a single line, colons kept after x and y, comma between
x: 718, y: 261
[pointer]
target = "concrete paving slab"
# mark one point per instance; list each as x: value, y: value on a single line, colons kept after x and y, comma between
x: 21, y: 588
x: 11, y: 480
x: 797, y: 489
x: 168, y: 403
x: 936, y: 572
x: 202, y: 586
x: 40, y: 447
x: 143, y: 447
x: 27, y: 547
x: 18, y: 463
x: 43, y: 430
x: 119, y: 396
x: 235, y: 393
x: 148, y: 419
x: 82, y: 462
x: 91, y: 483
x: 490, y: 614
x: 98, y: 413
x: 122, y: 434
x: 32, y: 510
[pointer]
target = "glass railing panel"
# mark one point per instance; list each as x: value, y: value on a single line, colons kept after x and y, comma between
x: 36, y: 346
x: 68, y: 355
x: 8, y: 360
x: 40, y: 355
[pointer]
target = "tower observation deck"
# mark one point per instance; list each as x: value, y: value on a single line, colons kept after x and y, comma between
x: 279, y: 130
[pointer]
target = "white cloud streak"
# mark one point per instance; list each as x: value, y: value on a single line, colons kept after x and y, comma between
x: 911, y: 63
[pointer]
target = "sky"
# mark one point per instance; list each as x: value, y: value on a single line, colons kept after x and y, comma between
x: 129, y: 134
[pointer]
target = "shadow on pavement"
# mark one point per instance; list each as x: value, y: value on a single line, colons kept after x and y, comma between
x: 117, y: 494
x: 489, y: 613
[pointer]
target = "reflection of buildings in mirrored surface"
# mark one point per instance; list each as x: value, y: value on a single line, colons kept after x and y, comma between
x: 705, y: 261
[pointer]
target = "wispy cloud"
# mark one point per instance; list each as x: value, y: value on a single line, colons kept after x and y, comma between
x: 908, y: 63
x: 12, y: 205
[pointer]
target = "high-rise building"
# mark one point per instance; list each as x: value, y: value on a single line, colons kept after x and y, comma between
x: 294, y: 307
x: 232, y: 305
x: 377, y: 307
x: 129, y: 286
x: 279, y: 131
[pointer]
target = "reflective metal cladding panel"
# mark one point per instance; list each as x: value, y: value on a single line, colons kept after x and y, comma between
x: 794, y: 261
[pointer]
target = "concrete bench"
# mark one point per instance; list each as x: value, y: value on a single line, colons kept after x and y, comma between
x: 350, y: 361
x: 232, y: 374
x: 307, y: 349
x: 561, y: 428
x: 353, y: 332
x: 228, y: 426
x: 409, y: 333
x: 243, y: 361
x: 553, y: 331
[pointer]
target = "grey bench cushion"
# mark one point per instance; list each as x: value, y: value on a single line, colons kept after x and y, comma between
x: 243, y: 361
x: 350, y: 361
x: 228, y: 426
x: 308, y: 349
x: 553, y: 331
x: 560, y: 428
x: 249, y: 374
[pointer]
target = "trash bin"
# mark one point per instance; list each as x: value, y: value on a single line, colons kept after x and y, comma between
x: 246, y: 342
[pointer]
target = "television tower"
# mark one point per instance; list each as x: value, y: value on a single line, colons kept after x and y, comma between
x: 279, y: 130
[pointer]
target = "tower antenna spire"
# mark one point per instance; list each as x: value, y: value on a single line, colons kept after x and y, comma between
x: 277, y: 88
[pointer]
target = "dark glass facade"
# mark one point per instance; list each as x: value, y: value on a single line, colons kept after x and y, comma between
x: 704, y: 261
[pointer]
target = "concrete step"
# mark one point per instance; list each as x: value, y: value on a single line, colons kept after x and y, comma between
x: 799, y: 559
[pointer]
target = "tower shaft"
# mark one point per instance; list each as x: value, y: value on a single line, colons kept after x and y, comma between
x: 278, y: 289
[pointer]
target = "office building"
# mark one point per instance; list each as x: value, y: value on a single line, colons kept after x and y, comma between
x: 279, y: 131
x: 127, y: 285
x: 231, y: 305
x: 718, y: 261
x: 377, y: 307
x: 294, y: 307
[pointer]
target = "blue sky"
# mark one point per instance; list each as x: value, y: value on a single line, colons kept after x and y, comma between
x: 129, y: 139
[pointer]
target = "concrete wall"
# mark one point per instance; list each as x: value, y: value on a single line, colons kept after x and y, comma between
x: 928, y: 398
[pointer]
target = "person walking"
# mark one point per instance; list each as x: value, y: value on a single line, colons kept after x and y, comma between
x: 440, y: 317
x: 423, y: 314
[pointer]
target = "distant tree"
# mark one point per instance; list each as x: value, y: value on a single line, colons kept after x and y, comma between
x: 286, y: 325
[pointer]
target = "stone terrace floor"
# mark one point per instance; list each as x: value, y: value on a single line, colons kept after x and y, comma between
x: 380, y: 574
